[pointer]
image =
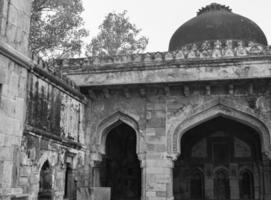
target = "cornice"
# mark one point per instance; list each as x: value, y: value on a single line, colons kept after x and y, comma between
x: 40, y: 68
x: 204, y: 52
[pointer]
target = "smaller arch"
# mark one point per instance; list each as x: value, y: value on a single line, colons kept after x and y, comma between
x: 51, y: 157
x: 245, y: 168
x: 246, y: 184
x: 113, y: 121
x: 46, y: 181
x: 197, y: 184
x: 221, y: 168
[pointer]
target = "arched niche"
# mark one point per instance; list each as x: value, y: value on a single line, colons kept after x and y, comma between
x: 219, y: 108
x: 45, y: 182
x: 197, y: 184
x: 246, y: 184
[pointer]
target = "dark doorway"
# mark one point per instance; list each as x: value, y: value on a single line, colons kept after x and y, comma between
x: 45, y: 185
x: 212, y: 156
x: 121, y: 167
x: 246, y: 185
x: 70, y: 184
x: 196, y: 185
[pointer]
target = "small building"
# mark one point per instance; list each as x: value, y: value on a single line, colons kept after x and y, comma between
x: 192, y: 123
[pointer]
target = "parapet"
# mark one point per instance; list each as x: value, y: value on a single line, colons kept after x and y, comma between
x: 206, y: 50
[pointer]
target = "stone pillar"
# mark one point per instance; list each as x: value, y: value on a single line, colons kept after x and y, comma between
x: 209, y: 181
x: 157, y: 178
x: 95, y: 164
x: 96, y: 169
x: 257, y: 181
x: 267, y: 177
x: 234, y: 182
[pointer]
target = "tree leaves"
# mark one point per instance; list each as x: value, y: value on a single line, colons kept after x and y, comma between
x: 117, y: 36
x: 57, y: 28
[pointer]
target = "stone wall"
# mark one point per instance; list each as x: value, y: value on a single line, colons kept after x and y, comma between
x: 15, y: 23
x: 53, y: 133
x: 163, y: 113
x: 41, y: 113
x: 14, y: 29
x: 13, y: 107
x: 53, y: 110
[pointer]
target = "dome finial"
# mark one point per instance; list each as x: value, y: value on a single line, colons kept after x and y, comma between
x: 213, y: 7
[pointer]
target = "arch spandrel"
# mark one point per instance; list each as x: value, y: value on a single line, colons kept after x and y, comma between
x: 113, y: 121
x: 219, y: 107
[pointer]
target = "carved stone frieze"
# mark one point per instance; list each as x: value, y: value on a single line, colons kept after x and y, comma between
x: 212, y: 49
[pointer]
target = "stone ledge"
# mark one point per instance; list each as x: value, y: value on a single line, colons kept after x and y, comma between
x: 171, y: 74
x: 200, y: 51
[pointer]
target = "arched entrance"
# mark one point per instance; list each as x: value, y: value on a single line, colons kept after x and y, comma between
x: 120, y: 167
x: 220, y: 159
x: 45, y: 185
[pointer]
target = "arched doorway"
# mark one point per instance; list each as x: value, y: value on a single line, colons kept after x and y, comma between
x: 246, y: 184
x: 213, y: 156
x: 120, y: 167
x: 45, y: 184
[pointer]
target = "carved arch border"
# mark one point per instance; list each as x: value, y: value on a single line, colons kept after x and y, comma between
x: 107, y: 124
x: 49, y: 156
x: 220, y: 107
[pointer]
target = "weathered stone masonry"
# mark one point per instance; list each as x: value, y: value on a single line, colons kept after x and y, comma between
x: 42, y: 118
x: 165, y: 96
x: 144, y: 126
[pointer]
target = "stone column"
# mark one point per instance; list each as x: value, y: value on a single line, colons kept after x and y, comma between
x: 257, y: 174
x: 267, y: 177
x: 209, y: 181
x: 95, y: 164
x: 157, y: 177
x: 234, y: 182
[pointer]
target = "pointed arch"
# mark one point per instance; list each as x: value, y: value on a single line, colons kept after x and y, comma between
x: 225, y: 108
x: 45, y: 181
x: 49, y: 156
x: 113, y: 121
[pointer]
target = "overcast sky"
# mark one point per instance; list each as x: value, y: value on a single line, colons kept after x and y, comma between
x: 159, y: 19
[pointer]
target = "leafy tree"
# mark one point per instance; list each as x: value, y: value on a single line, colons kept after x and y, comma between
x: 56, y: 28
x: 117, y: 36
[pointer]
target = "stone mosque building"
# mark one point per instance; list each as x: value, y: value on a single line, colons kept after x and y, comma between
x: 193, y: 123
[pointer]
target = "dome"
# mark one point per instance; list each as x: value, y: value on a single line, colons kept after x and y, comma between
x: 216, y: 22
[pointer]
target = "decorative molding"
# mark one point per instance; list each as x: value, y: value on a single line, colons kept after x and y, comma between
x: 213, y: 50
x: 213, y: 6
x: 113, y: 121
